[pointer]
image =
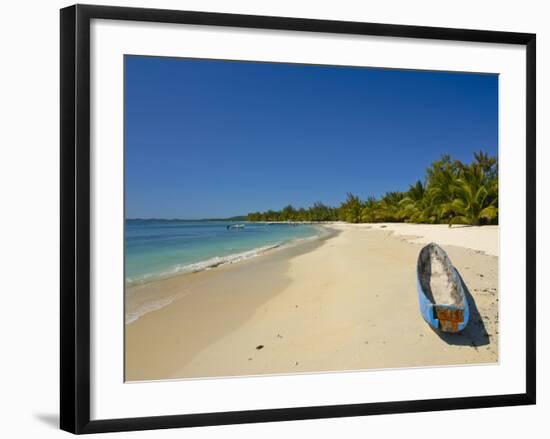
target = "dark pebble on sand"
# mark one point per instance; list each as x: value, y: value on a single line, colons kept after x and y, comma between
x: 260, y: 346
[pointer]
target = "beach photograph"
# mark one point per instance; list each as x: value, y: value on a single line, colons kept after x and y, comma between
x: 293, y: 219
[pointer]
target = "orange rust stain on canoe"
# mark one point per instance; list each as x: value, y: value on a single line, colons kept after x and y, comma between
x: 449, y: 318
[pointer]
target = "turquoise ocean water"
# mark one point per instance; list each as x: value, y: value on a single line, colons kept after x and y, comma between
x: 163, y: 248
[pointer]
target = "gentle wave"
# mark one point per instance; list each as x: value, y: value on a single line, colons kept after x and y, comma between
x: 207, y: 264
x: 214, y: 262
x: 148, y: 307
x: 201, y: 266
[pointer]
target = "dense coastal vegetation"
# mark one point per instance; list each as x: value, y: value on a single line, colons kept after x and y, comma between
x: 452, y: 193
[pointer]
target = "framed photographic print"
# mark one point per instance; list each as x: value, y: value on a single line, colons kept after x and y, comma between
x: 268, y: 218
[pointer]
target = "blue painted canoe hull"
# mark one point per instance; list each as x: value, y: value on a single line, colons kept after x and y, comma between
x: 427, y: 307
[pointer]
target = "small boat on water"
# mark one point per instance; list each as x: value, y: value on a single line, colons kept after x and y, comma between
x: 235, y: 226
x: 441, y: 296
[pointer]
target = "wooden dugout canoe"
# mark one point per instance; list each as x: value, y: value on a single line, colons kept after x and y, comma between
x: 443, y: 303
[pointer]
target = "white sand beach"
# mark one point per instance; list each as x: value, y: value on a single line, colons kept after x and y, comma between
x: 483, y: 239
x: 345, y: 303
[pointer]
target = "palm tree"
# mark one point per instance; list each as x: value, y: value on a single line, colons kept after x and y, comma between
x: 413, y: 206
x: 320, y: 212
x: 441, y: 177
x: 388, y: 208
x: 453, y: 193
x: 475, y: 198
x: 350, y: 210
x: 288, y: 213
x: 302, y: 215
x: 369, y: 210
x: 487, y: 164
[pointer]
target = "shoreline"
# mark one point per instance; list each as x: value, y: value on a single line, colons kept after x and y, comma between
x: 139, y: 301
x: 414, y: 233
x: 318, y: 306
x: 217, y: 261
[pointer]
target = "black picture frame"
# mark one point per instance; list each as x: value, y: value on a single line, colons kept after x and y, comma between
x: 75, y: 218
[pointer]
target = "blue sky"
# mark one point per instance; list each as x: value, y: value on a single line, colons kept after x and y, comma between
x: 207, y: 138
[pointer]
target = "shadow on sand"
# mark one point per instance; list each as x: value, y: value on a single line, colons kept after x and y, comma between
x: 475, y: 334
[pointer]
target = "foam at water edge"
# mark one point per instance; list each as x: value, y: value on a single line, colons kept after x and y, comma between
x: 217, y: 261
x: 148, y: 307
x: 200, y: 266
x: 207, y: 264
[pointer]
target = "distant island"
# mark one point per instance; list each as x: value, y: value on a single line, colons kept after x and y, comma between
x: 452, y: 193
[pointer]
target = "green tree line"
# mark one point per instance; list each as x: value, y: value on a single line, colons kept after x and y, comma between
x: 452, y: 192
